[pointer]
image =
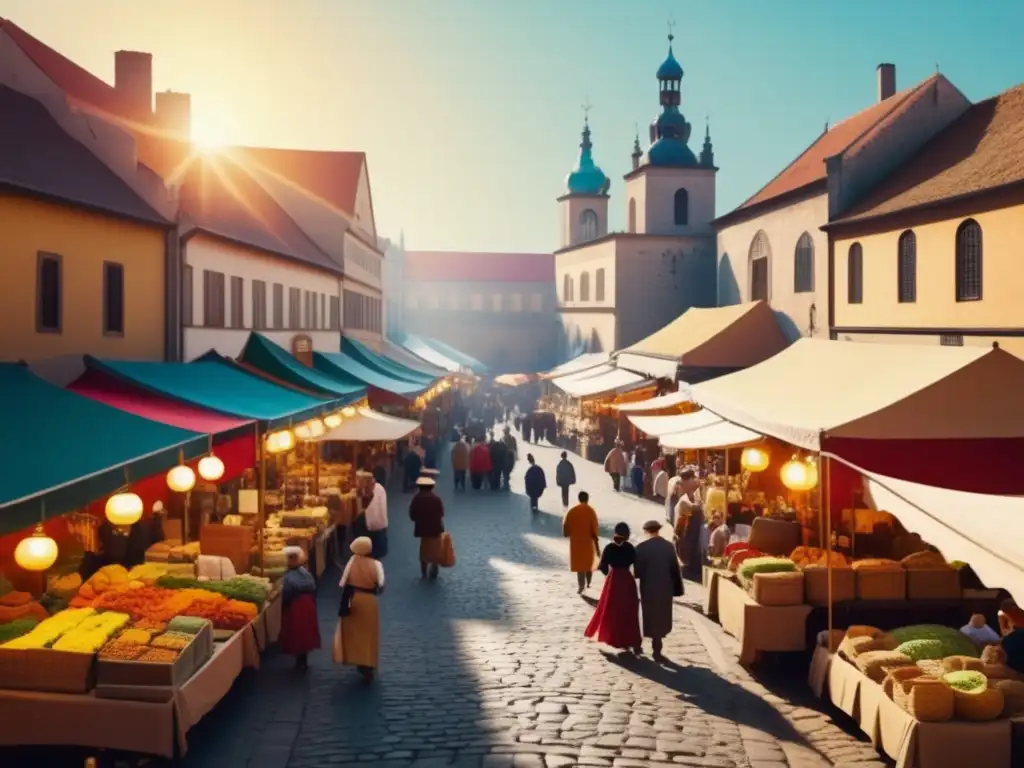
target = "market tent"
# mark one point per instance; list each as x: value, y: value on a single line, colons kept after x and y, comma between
x: 265, y: 356
x: 578, y: 364
x: 656, y: 426
x: 371, y: 426
x: 512, y: 379
x: 67, y: 450
x: 671, y: 400
x: 457, y: 355
x: 339, y: 364
x: 719, y: 340
x: 718, y: 434
x: 363, y: 354
x: 400, y: 354
x: 983, y: 530
x: 610, y: 380
x: 420, y: 348
x: 218, y: 384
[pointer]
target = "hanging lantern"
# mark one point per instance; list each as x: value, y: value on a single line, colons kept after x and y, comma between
x: 317, y: 429
x: 181, y: 479
x: 124, y: 508
x: 281, y: 441
x: 333, y: 420
x: 797, y: 475
x: 36, y: 552
x: 211, y: 468
x: 754, y: 459
x: 304, y: 431
x: 348, y: 411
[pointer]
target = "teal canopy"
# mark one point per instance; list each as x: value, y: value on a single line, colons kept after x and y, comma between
x: 396, y: 353
x: 266, y: 356
x: 340, y: 364
x: 220, y: 385
x: 363, y: 354
x: 456, y: 354
x: 68, y: 450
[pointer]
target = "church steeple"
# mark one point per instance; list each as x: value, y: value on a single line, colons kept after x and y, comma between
x: 586, y: 178
x: 707, y: 154
x: 637, y: 152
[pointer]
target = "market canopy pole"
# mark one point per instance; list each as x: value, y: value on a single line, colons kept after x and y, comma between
x: 261, y: 492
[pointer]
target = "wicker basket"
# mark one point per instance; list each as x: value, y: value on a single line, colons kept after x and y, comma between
x: 927, y: 699
x: 852, y: 647
x: 894, y: 675
x: 778, y: 589
x: 960, y: 663
x: 979, y: 706
x: 931, y: 667
x: 874, y: 664
x: 844, y: 585
x: 933, y: 584
x: 881, y: 584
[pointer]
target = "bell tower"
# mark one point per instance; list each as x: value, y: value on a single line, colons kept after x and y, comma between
x: 584, y: 206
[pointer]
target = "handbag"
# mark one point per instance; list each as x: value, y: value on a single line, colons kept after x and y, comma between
x: 337, y: 650
x: 447, y: 551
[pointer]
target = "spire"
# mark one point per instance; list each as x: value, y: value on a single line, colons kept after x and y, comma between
x: 586, y: 178
x: 707, y: 154
x: 637, y: 152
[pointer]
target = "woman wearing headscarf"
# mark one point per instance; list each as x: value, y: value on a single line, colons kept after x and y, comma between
x: 616, y: 620
x: 357, y: 638
x: 427, y: 514
x: 300, y: 630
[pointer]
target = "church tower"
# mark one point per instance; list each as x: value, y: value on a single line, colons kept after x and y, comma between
x: 584, y: 206
x: 671, y: 191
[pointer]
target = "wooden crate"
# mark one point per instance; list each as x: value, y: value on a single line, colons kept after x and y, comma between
x: 844, y: 585
x: 881, y: 584
x: 116, y: 673
x: 43, y: 669
x: 778, y: 589
x: 933, y: 584
x: 231, y: 541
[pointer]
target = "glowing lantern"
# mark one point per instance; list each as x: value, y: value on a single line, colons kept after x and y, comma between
x: 754, y: 460
x: 812, y: 472
x: 333, y: 420
x: 280, y: 442
x: 211, y: 468
x: 304, y: 431
x: 798, y: 475
x: 181, y: 479
x: 36, y: 552
x: 348, y: 411
x: 317, y: 428
x: 124, y: 508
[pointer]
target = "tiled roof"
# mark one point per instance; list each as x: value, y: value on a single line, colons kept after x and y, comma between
x: 36, y: 155
x: 980, y: 150
x: 809, y: 167
x: 331, y: 176
x: 469, y: 267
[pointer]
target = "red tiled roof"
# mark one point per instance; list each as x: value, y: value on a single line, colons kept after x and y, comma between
x: 809, y: 167
x: 981, y: 150
x: 331, y: 176
x: 469, y: 267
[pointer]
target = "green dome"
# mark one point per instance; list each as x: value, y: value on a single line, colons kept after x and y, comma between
x: 586, y: 178
x: 670, y: 69
x: 671, y: 152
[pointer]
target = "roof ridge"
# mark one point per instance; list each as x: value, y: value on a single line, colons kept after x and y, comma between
x: 907, y: 94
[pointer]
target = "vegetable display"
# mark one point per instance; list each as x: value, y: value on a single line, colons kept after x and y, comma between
x: 17, y: 628
x: 46, y: 632
x: 923, y: 649
x: 91, y: 634
x: 238, y: 588
x: 953, y: 642
x: 753, y: 565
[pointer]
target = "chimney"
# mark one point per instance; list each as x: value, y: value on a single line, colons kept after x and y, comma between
x: 886, y: 81
x: 174, y: 113
x: 133, y: 81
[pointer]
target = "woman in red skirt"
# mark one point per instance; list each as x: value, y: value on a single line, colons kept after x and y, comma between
x: 300, y: 630
x: 616, y: 620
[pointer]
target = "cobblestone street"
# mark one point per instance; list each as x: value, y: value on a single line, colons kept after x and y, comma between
x: 488, y: 666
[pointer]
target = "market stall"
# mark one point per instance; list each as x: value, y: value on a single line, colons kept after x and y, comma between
x: 671, y: 401
x: 399, y: 354
x: 578, y: 364
x: 355, y: 350
x: 419, y: 347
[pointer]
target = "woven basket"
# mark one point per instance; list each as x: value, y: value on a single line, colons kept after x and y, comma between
x: 981, y: 706
x: 778, y: 589
x: 881, y: 584
x: 875, y: 663
x: 844, y: 585
x: 928, y: 700
x: 933, y: 584
x: 831, y: 639
x: 960, y: 663
x: 852, y: 647
x: 894, y: 675
x: 1013, y: 696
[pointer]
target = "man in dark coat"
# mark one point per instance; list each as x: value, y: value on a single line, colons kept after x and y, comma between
x: 657, y: 569
x: 498, y: 452
x: 527, y: 426
x: 427, y: 514
x: 565, y: 477
x: 536, y: 482
x: 511, y: 455
x: 413, y: 465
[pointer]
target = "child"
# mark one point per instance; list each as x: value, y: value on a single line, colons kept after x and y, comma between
x: 300, y: 629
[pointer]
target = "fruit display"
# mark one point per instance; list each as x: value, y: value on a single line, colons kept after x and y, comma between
x: 953, y: 643
x: 46, y: 632
x: 752, y: 565
x: 64, y: 586
x: 92, y: 634
x: 239, y: 588
x: 814, y: 556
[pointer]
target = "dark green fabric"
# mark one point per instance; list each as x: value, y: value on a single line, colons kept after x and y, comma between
x: 219, y: 384
x: 263, y: 354
x: 363, y: 354
x: 69, y: 450
x: 338, y: 364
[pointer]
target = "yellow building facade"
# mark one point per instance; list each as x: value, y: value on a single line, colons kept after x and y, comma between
x: 77, y: 282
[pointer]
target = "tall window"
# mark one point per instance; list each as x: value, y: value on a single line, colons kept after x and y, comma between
x: 599, y: 285
x: 187, y: 302
x: 968, y: 261
x: 906, y: 270
x: 294, y: 309
x: 855, y: 274
x: 259, y: 305
x: 278, y: 306
x: 585, y: 286
x: 113, y: 299
x: 567, y: 288
x: 803, y: 265
x: 213, y: 299
x: 632, y: 215
x: 323, y: 310
x: 237, y: 303
x: 759, y: 260
x: 49, y: 293
x: 682, y: 207
x: 588, y: 225
x: 335, y: 313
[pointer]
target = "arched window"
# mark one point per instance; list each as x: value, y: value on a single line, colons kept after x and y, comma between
x: 968, y: 261
x: 567, y: 288
x: 588, y: 225
x: 599, y: 285
x: 803, y: 265
x: 682, y: 207
x: 855, y: 274
x: 585, y: 286
x: 632, y: 214
x: 906, y: 269
x: 759, y: 261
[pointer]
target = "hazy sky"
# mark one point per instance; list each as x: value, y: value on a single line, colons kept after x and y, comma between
x: 469, y: 110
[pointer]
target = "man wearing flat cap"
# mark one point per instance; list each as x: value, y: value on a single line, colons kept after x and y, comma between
x: 657, y: 569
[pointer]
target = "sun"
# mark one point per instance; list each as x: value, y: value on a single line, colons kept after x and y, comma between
x: 211, y: 132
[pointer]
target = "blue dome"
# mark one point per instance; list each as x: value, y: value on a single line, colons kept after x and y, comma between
x: 670, y: 69
x: 671, y: 152
x: 586, y: 178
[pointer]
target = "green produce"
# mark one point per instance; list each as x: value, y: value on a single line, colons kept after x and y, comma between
x: 753, y: 565
x: 53, y: 604
x: 17, y: 628
x: 966, y: 680
x: 954, y: 643
x: 245, y: 590
x: 189, y: 625
x: 921, y: 650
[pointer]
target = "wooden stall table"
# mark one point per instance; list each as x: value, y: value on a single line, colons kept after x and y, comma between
x: 267, y: 626
x: 758, y: 627
x: 895, y: 732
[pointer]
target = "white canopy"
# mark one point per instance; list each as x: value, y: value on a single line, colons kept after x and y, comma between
x: 720, y: 434
x: 670, y: 400
x: 985, y: 531
x: 578, y: 364
x: 424, y: 351
x: 610, y: 380
x: 817, y: 389
x: 657, y: 426
x: 370, y: 426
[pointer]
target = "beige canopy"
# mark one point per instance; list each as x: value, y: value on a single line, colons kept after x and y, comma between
x: 735, y: 336
x: 656, y: 426
x: 599, y: 380
x: 578, y: 364
x: 718, y: 434
x: 817, y: 389
x: 370, y: 426
x: 670, y: 400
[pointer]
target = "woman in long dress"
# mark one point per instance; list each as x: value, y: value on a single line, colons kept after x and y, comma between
x: 357, y: 639
x: 300, y: 631
x: 616, y: 620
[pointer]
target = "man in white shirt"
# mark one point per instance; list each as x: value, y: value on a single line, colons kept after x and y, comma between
x: 375, y: 508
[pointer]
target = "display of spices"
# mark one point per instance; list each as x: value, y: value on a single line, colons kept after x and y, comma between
x: 159, y: 655
x: 174, y: 640
x: 152, y: 625
x: 134, y: 636
x: 118, y: 651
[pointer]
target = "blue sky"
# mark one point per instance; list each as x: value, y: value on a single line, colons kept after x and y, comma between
x: 469, y: 110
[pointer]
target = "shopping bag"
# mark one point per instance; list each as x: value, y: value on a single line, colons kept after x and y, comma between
x: 447, y: 551
x: 337, y: 651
